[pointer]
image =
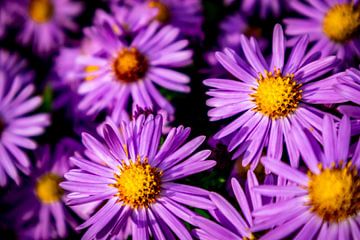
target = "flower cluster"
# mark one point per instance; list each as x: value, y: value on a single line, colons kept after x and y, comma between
x: 167, y: 119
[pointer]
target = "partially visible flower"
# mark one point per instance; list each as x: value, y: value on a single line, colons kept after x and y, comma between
x: 349, y: 85
x: 17, y: 126
x: 270, y: 98
x: 185, y: 14
x: 263, y: 7
x: 11, y: 65
x: 126, y: 19
x: 134, y: 174
x: 121, y: 71
x: 45, y: 23
x: 332, y: 25
x: 231, y: 224
x: 39, y: 202
x: 322, y: 203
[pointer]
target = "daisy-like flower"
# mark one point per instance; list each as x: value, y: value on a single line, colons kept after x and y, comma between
x: 322, y: 204
x: 231, y: 224
x: 333, y: 26
x: 17, y: 126
x: 12, y: 65
x: 135, y: 175
x: 45, y: 22
x: 270, y: 98
x: 186, y: 14
x: 44, y: 212
x: 265, y: 7
x: 121, y: 71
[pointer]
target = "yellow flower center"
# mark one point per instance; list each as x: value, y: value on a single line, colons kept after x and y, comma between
x: 276, y: 96
x: 138, y: 184
x: 342, y: 22
x: 47, y: 188
x: 335, y: 193
x: 41, y: 11
x: 130, y: 65
x: 90, y: 69
x: 163, y: 14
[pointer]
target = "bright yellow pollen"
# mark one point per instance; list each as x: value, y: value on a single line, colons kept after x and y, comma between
x: 90, y: 69
x: 138, y: 184
x: 335, y: 193
x: 276, y: 96
x: 41, y: 11
x: 342, y: 22
x: 47, y: 188
x: 163, y: 14
x: 130, y: 65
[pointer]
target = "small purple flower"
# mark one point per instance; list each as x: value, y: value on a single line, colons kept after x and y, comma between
x: 134, y: 175
x: 332, y: 25
x: 231, y: 224
x: 11, y: 65
x: 322, y: 203
x: 185, y: 14
x: 270, y: 98
x: 45, y: 23
x: 40, y: 208
x: 266, y: 7
x: 121, y: 71
x: 17, y: 126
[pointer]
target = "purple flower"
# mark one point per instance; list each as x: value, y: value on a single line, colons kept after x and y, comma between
x: 126, y: 19
x: 322, y: 203
x: 44, y: 23
x: 121, y: 71
x: 134, y: 174
x: 231, y: 224
x: 44, y: 213
x: 270, y: 98
x: 186, y: 14
x: 11, y: 65
x: 265, y: 7
x: 17, y: 126
x: 332, y: 25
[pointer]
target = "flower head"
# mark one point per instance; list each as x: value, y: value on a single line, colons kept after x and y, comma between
x: 270, y: 97
x: 45, y: 22
x: 134, y: 175
x: 17, y: 126
x: 121, y: 71
x: 44, y: 213
x: 323, y: 202
x: 332, y: 25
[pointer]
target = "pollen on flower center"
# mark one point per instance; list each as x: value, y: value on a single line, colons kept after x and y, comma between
x: 89, y: 70
x: 138, y: 183
x: 335, y: 193
x: 342, y: 22
x: 130, y: 65
x: 163, y: 14
x: 276, y: 96
x: 41, y: 11
x: 47, y: 188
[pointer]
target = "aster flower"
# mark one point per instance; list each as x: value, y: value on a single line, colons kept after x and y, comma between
x: 126, y: 19
x: 44, y: 213
x: 12, y: 65
x: 265, y: 7
x: 231, y: 224
x: 121, y: 71
x: 322, y: 204
x: 45, y: 22
x: 135, y: 175
x: 332, y: 25
x: 270, y: 98
x: 17, y: 126
x: 186, y: 14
